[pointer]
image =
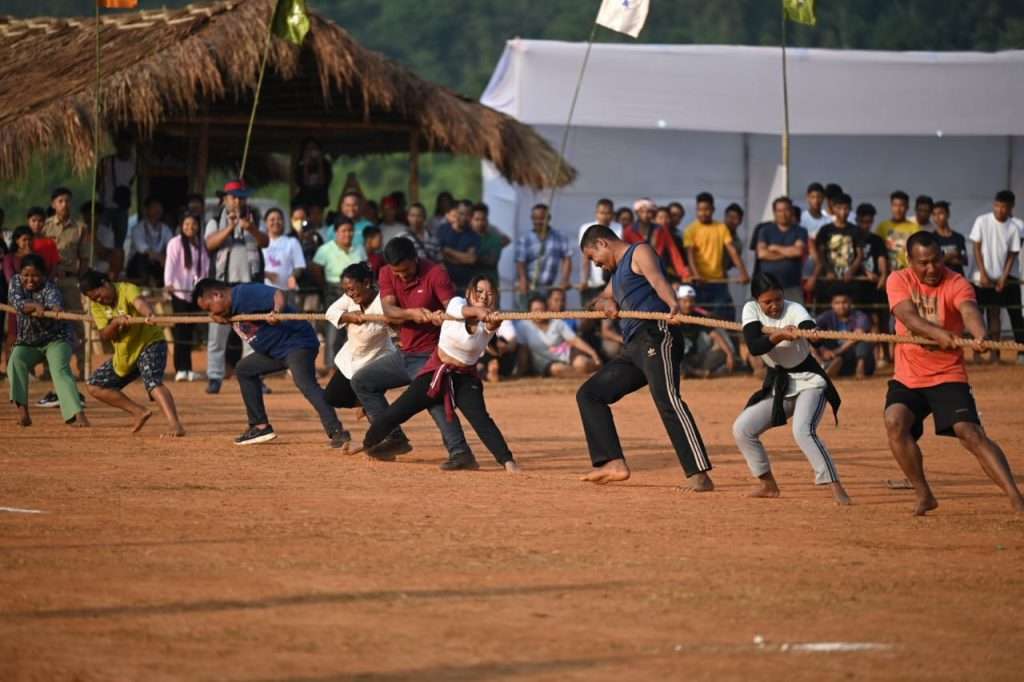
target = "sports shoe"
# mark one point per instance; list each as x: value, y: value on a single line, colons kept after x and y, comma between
x: 213, y: 387
x: 192, y: 376
x: 180, y: 376
x: 256, y: 435
x: 340, y: 439
x: 391, y: 447
x: 49, y: 400
x: 460, y: 464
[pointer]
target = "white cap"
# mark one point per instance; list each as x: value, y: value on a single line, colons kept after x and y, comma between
x: 686, y: 291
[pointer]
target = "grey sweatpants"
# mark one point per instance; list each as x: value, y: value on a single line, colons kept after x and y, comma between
x: 216, y: 348
x: 806, y: 409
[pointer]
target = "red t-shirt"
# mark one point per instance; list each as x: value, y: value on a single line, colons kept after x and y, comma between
x: 47, y: 250
x: 430, y: 288
x: 924, y: 366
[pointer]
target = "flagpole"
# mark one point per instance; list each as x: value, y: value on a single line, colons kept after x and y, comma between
x: 95, y: 146
x: 256, y: 99
x: 785, y: 107
x: 568, y: 120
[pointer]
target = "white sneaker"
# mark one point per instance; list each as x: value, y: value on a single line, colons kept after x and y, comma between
x: 194, y: 376
x: 182, y: 376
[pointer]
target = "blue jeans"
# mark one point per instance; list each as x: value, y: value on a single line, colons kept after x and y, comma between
x: 395, y: 370
x: 716, y: 298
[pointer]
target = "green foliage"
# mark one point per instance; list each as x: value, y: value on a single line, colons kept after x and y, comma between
x: 457, y: 43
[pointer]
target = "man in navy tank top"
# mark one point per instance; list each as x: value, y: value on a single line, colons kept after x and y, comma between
x: 650, y: 356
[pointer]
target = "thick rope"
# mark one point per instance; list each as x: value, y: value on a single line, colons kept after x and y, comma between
x: 813, y: 334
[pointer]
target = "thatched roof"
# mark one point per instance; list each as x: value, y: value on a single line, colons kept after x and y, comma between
x: 173, y: 70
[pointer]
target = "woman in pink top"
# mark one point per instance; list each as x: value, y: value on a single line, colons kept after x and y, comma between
x: 187, y: 262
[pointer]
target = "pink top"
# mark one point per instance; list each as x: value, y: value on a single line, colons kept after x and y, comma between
x: 179, y: 279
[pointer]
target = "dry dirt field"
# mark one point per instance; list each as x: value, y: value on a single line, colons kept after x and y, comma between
x: 199, y: 560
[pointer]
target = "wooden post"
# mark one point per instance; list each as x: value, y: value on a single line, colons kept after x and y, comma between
x: 202, y: 159
x: 414, y: 166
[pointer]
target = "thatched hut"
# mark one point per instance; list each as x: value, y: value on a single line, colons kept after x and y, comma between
x: 183, y: 80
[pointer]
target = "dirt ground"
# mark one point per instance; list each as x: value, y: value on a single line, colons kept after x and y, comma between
x: 199, y: 560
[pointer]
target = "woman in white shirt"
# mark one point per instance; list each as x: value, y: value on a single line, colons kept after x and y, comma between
x: 450, y: 375
x: 283, y: 260
x: 796, y: 386
x: 187, y: 262
x: 367, y: 341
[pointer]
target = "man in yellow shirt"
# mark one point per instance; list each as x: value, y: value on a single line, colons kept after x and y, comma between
x: 139, y: 351
x: 706, y: 242
x: 897, y: 230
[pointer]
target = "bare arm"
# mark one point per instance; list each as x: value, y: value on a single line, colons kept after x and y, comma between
x: 585, y: 348
x: 738, y: 262
x: 395, y: 312
x: 645, y: 262
x: 691, y: 258
x: 522, y: 281
x: 765, y: 252
x: 217, y: 239
x: 973, y: 321
x: 979, y: 262
x: 566, y: 272
x: 1011, y: 258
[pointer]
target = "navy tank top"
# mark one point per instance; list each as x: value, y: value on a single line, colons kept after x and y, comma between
x: 634, y: 292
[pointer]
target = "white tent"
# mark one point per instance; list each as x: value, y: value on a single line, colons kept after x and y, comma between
x: 669, y: 121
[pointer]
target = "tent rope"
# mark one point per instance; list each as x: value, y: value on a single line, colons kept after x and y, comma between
x: 812, y: 334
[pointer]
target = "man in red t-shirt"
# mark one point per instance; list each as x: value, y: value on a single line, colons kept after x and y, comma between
x: 932, y: 301
x: 417, y: 292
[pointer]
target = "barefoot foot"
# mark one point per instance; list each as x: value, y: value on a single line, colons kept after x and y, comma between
x: 140, y: 420
x: 767, y: 487
x: 80, y: 421
x: 23, y: 418
x: 609, y: 472
x: 176, y: 431
x: 699, y: 483
x: 513, y: 468
x: 925, y: 505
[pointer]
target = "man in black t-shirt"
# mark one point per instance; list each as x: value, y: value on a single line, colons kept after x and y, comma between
x: 951, y: 242
x: 840, y: 246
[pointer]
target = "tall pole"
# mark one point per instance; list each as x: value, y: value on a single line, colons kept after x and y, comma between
x: 256, y: 98
x: 785, y: 108
x: 95, y: 146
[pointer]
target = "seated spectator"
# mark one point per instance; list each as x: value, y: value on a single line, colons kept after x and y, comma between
x: 145, y: 247
x: 556, y: 304
x: 845, y: 358
x: 373, y: 245
x: 459, y: 245
x: 500, y: 359
x: 421, y: 235
x: 283, y: 260
x: 952, y: 243
x: 492, y: 243
x: 552, y: 349
x: 611, y: 339
x: 709, y: 352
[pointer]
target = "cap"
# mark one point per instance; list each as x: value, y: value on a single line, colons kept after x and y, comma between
x: 643, y: 203
x: 236, y: 188
x: 686, y: 291
x: 389, y: 201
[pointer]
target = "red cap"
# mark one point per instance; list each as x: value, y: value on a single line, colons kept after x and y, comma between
x: 236, y: 188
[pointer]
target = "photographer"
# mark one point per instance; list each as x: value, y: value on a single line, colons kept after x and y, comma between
x: 234, y: 242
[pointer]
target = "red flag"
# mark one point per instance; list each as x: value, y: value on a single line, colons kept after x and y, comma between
x: 117, y: 4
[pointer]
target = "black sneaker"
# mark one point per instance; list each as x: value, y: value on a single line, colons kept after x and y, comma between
x: 460, y: 464
x: 213, y: 387
x: 392, y: 446
x: 49, y: 400
x: 256, y: 435
x: 341, y: 439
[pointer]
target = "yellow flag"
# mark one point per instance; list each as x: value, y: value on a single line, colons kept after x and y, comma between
x: 291, y: 22
x: 800, y: 11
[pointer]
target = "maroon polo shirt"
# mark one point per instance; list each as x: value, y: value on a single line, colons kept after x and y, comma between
x: 430, y: 289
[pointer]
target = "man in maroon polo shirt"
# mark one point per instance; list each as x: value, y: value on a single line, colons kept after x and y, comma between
x: 417, y: 292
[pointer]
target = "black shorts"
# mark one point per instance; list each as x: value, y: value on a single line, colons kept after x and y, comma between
x: 150, y: 367
x: 949, y: 404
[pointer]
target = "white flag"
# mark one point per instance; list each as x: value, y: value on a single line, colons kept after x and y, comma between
x: 624, y: 16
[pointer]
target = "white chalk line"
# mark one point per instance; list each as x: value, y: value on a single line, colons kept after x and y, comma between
x: 16, y: 510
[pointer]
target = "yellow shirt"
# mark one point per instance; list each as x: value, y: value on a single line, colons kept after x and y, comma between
x: 708, y: 243
x: 72, y: 245
x: 896, y: 236
x: 134, y: 338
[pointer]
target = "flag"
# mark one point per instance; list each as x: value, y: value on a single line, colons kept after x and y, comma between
x: 800, y: 11
x: 291, y: 22
x: 117, y: 4
x: 624, y: 16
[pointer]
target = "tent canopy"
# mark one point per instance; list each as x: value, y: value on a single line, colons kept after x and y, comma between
x: 726, y: 88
